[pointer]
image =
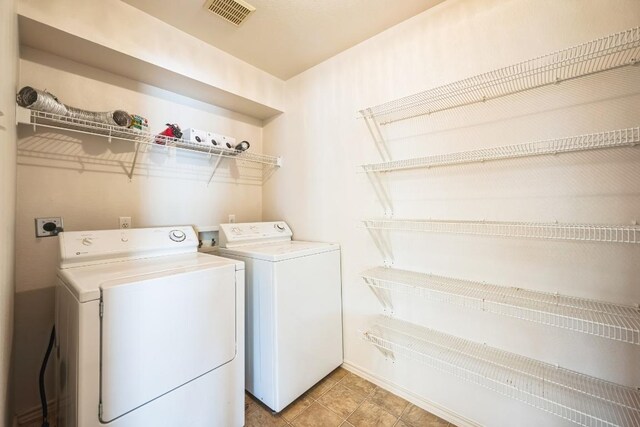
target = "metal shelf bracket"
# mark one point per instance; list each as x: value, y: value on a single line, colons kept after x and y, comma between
x: 376, y: 134
x: 382, y: 243
x: 379, y: 186
x: 215, y: 167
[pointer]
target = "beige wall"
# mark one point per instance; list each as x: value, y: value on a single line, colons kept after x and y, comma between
x: 84, y: 180
x: 8, y: 71
x: 322, y: 197
x: 125, y: 29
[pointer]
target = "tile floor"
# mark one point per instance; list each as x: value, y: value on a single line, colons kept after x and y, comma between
x: 340, y: 399
x: 346, y: 400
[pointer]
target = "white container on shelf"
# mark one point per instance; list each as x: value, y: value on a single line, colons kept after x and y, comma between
x: 195, y: 136
x: 218, y: 140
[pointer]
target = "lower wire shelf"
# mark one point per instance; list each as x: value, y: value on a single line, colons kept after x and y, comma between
x: 613, y: 321
x: 531, y: 230
x: 579, y: 398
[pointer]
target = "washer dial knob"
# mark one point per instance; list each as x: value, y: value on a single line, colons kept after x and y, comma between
x: 177, y: 235
x: 280, y: 227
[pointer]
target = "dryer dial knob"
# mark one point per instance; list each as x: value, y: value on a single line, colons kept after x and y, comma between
x: 177, y: 235
x: 87, y: 241
x: 280, y: 227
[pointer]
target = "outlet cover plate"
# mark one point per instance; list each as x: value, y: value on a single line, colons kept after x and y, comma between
x: 125, y: 222
x: 40, y: 222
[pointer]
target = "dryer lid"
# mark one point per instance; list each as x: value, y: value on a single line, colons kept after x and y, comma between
x: 85, y: 282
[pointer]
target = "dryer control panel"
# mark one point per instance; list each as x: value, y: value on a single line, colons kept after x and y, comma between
x: 250, y: 233
x: 79, y: 248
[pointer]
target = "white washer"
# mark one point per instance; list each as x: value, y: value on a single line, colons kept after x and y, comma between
x: 293, y: 309
x: 149, y: 331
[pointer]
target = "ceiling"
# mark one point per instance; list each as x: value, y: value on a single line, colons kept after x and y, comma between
x: 285, y: 37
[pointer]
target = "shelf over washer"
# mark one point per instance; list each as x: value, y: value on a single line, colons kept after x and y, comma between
x: 55, y: 121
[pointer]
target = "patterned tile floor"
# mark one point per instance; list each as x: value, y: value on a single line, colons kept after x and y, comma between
x: 346, y: 400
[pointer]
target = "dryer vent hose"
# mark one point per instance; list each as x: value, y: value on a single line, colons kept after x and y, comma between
x: 35, y: 99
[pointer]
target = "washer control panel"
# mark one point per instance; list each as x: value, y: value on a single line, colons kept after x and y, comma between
x: 240, y: 234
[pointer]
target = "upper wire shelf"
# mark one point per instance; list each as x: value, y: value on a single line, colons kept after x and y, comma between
x: 613, y: 321
x: 608, y: 139
x: 576, y: 397
x: 532, y: 230
x: 614, y: 51
x: 55, y: 121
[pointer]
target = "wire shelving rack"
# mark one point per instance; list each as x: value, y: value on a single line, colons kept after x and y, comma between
x: 608, y: 320
x: 579, y: 398
x: 606, y: 53
x: 531, y: 230
x: 138, y: 137
x: 610, y: 139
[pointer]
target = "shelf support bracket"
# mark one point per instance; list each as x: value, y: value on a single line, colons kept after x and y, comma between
x: 383, y: 296
x: 135, y: 160
x: 379, y: 186
x: 215, y: 167
x: 388, y: 354
x: 376, y: 134
x: 382, y: 243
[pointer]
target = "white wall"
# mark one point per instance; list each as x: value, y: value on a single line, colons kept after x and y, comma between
x: 83, y: 179
x: 8, y: 71
x: 322, y: 197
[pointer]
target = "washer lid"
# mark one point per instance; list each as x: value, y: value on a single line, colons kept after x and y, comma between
x: 281, y: 251
x: 85, y: 282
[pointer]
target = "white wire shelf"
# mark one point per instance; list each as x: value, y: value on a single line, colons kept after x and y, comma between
x: 609, y: 139
x: 576, y: 397
x: 531, y: 230
x: 614, y: 51
x: 54, y: 121
x: 613, y: 321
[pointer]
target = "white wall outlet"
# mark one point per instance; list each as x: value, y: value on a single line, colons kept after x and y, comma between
x: 47, y: 227
x: 125, y: 222
x: 232, y: 219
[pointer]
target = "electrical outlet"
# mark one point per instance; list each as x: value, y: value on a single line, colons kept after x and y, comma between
x: 125, y: 222
x: 232, y: 219
x: 47, y: 227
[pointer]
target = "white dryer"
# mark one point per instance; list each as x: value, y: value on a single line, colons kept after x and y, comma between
x: 293, y: 309
x: 149, y: 331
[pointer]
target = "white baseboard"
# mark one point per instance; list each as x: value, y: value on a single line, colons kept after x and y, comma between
x: 419, y: 401
x: 35, y: 414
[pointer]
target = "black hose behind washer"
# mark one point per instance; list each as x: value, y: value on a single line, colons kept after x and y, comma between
x: 43, y: 394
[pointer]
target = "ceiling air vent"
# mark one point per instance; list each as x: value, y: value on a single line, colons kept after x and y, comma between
x: 234, y: 11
